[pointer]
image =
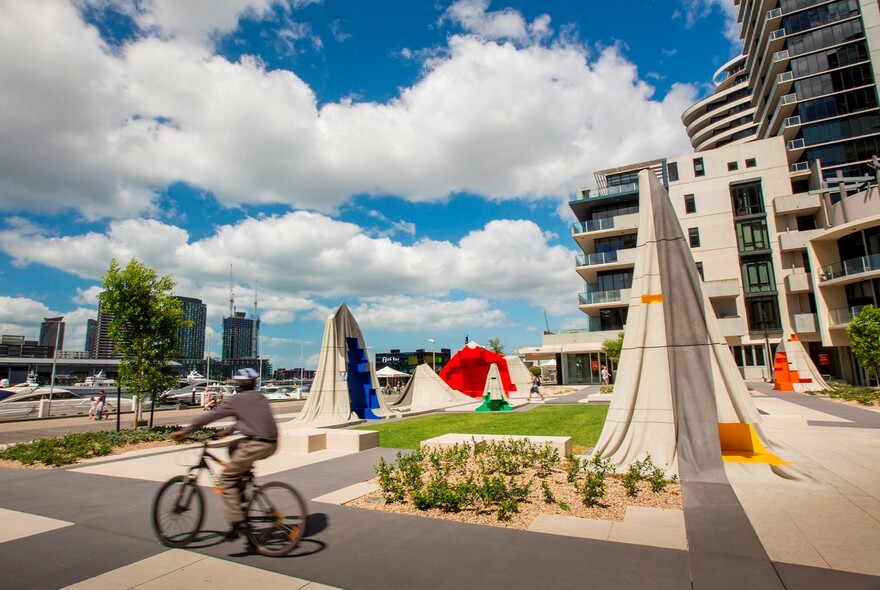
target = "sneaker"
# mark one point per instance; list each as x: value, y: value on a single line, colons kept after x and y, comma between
x: 234, y: 531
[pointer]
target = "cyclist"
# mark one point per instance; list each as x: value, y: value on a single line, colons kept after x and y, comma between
x: 254, y: 419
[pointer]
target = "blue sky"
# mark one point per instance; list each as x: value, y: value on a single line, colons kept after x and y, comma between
x: 412, y: 159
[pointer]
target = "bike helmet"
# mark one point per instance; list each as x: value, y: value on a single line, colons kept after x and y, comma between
x: 245, y: 375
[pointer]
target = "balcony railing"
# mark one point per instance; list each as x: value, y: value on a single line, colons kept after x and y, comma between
x: 592, y: 225
x: 844, y: 315
x: 850, y: 267
x: 788, y: 98
x: 792, y: 121
x: 781, y: 55
x: 777, y: 34
x: 799, y: 167
x: 795, y: 144
x: 597, y: 258
x: 598, y: 297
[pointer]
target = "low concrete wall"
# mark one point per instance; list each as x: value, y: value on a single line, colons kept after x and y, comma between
x: 560, y: 443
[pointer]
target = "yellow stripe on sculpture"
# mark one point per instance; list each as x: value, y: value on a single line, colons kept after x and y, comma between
x: 652, y: 298
x: 740, y: 444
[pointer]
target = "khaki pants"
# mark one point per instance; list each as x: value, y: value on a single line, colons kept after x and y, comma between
x: 243, y: 453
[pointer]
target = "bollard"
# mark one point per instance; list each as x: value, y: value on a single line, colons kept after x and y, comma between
x: 44, y: 408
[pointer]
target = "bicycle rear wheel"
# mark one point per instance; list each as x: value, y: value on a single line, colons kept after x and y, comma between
x: 178, y: 511
x: 276, y: 519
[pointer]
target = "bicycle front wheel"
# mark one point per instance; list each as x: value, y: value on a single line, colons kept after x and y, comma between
x: 276, y: 519
x: 178, y: 511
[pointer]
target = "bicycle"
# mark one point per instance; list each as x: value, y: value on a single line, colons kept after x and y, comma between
x: 275, y: 513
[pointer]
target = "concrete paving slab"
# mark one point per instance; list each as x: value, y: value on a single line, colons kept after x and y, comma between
x: 162, y: 465
x: 15, y: 525
x: 185, y: 569
x: 347, y: 494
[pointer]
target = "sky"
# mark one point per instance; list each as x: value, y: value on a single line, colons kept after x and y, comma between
x: 413, y: 159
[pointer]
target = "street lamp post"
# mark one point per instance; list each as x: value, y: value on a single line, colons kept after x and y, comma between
x: 433, y: 358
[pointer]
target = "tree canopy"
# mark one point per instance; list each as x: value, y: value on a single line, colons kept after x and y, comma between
x: 612, y: 347
x: 146, y: 320
x: 495, y: 345
x: 864, y: 338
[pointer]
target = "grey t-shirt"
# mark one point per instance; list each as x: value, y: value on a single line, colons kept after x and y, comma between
x: 251, y: 411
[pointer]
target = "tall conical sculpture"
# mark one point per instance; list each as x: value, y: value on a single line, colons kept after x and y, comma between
x: 793, y: 370
x: 345, y: 383
x: 678, y: 394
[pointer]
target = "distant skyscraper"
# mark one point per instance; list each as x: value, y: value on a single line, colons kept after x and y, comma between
x: 191, y: 338
x: 91, y: 337
x: 52, y: 332
x: 103, y: 343
x: 239, y: 341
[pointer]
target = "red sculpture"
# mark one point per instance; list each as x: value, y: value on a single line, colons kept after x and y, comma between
x: 467, y: 370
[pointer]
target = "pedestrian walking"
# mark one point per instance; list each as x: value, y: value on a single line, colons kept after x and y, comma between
x: 606, y: 376
x: 99, y: 409
x: 535, y: 388
x: 93, y: 407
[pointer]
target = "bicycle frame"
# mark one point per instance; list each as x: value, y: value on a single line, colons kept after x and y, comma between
x: 204, y: 465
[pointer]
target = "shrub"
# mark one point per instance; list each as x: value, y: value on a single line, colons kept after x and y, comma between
x: 72, y: 447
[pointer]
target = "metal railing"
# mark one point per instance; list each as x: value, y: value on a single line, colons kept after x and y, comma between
x: 850, y: 267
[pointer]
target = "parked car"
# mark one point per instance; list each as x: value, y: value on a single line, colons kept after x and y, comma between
x: 64, y: 403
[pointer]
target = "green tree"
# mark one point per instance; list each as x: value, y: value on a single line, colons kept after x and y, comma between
x: 495, y: 345
x: 612, y: 348
x: 864, y: 338
x: 145, y: 324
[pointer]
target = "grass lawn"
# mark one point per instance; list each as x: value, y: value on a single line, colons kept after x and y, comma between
x: 582, y: 423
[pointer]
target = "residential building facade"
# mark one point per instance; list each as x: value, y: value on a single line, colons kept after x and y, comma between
x: 779, y: 201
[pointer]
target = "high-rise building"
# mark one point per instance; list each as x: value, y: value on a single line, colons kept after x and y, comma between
x: 805, y: 74
x: 52, y: 332
x: 104, y: 345
x: 91, y: 337
x: 191, y: 338
x: 780, y: 203
x: 240, y: 337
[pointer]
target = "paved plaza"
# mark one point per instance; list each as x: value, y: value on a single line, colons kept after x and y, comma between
x: 87, y: 526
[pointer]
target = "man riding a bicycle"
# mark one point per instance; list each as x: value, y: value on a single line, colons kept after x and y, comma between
x: 254, y: 419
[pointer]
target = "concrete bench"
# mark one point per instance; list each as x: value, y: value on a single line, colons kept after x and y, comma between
x: 596, y: 399
x: 561, y: 443
x: 309, y: 440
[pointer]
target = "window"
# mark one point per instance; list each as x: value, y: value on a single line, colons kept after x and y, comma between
x: 699, y: 169
x: 694, y: 237
x: 747, y: 198
x: 748, y: 356
x: 672, y: 171
x: 757, y: 274
x: 806, y: 222
x: 763, y: 313
x: 700, y: 271
x: 690, y: 204
x: 752, y: 235
x: 731, y: 166
x: 751, y: 162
